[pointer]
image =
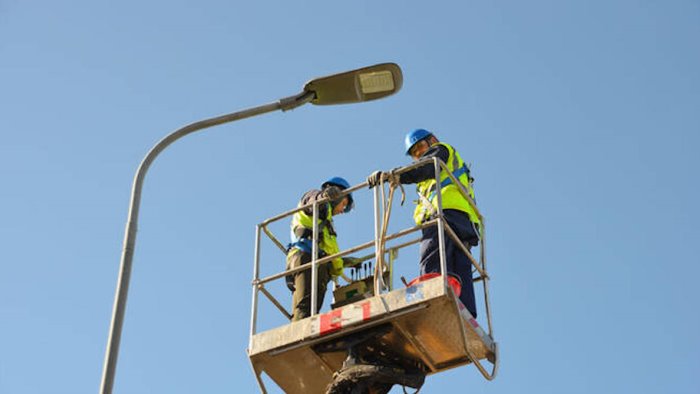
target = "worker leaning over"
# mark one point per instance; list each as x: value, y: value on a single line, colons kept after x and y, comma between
x: 461, y: 217
x: 299, y: 251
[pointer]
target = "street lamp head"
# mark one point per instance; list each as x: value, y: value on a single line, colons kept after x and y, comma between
x: 364, y: 84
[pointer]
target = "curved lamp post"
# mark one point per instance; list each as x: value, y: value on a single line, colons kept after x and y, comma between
x: 355, y: 86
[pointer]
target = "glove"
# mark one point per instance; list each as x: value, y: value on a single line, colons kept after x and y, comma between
x: 332, y: 192
x: 374, y: 179
x: 336, y: 267
x: 351, y: 261
x: 392, y: 177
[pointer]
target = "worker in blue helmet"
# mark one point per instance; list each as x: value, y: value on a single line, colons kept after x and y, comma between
x: 460, y: 215
x: 299, y: 250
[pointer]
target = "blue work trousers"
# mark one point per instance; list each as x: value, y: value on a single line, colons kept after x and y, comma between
x: 458, y: 263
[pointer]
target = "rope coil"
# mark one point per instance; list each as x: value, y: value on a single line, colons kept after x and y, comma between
x: 392, y: 179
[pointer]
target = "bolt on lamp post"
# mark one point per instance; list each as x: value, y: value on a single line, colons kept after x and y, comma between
x: 364, y: 84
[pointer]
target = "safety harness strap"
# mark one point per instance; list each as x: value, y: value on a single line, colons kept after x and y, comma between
x: 301, y: 237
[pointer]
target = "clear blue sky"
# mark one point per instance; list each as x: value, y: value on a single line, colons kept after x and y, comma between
x: 581, y: 119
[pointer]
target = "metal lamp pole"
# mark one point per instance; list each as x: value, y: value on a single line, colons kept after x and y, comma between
x: 359, y: 85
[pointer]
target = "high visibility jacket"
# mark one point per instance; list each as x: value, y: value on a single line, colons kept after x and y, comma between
x: 302, y: 235
x: 452, y: 197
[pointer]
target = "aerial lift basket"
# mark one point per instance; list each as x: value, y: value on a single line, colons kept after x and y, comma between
x: 424, y: 324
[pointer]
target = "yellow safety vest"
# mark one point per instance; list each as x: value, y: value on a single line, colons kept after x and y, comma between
x: 452, y: 197
x: 301, y: 234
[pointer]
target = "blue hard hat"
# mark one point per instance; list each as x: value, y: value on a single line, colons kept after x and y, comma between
x: 338, y: 181
x: 343, y: 184
x: 414, y: 136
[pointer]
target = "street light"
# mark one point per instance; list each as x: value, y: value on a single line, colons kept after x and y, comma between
x: 364, y: 84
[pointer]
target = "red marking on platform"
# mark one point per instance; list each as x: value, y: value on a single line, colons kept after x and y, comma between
x: 330, y: 322
x: 365, y: 311
x: 473, y: 322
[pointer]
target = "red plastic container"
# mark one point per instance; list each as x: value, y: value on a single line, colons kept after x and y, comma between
x: 453, y: 281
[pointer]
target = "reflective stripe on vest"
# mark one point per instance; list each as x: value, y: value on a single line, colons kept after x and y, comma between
x: 448, y: 181
x: 327, y: 242
x: 452, y: 197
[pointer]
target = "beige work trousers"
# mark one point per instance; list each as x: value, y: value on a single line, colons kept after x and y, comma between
x: 301, y: 295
